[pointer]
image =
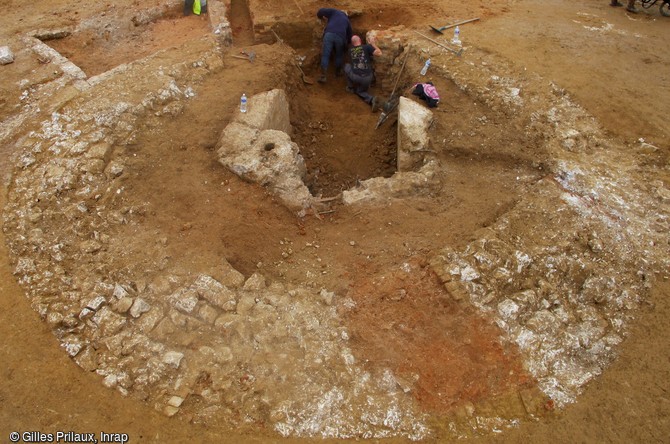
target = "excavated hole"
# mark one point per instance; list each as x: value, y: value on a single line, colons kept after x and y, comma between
x: 241, y: 23
x: 339, y: 142
x: 336, y: 130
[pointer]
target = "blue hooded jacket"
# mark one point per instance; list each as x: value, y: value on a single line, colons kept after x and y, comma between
x: 338, y: 23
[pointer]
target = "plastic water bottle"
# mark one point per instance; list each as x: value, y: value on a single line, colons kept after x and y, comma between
x: 243, y: 103
x: 457, y: 36
x: 424, y: 70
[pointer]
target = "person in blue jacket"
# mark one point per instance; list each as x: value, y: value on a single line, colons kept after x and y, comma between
x: 335, y: 37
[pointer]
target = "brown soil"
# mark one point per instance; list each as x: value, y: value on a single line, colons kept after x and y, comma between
x: 450, y: 355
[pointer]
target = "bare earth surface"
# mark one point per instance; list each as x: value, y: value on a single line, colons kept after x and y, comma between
x: 520, y: 294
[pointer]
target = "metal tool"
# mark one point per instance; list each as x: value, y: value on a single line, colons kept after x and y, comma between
x: 250, y: 55
x: 299, y: 8
x: 305, y: 79
x: 240, y: 57
x: 452, y: 25
x: 458, y: 53
x: 392, y: 102
x: 279, y: 39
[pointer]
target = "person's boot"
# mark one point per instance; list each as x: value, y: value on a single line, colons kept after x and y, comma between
x: 616, y: 3
x: 378, y: 104
x: 374, y: 104
x: 322, y: 79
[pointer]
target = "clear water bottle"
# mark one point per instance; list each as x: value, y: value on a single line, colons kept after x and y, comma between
x: 426, y: 65
x: 243, y: 103
x: 457, y: 36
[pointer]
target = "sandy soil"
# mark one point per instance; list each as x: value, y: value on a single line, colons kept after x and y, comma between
x: 609, y: 61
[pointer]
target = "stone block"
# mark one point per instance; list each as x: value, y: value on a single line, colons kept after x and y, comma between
x: 208, y: 313
x: 164, y: 328
x: 6, y: 55
x: 108, y: 322
x: 400, y: 185
x: 217, y: 13
x: 414, y: 120
x: 230, y: 277
x: 175, y: 401
x: 149, y: 320
x: 184, y: 299
x: 173, y: 358
x: 255, y: 282
x: 139, y: 306
x: 215, y: 293
x: 543, y: 321
x: 267, y: 111
x: 51, y: 34
x: 257, y: 147
x: 119, y: 292
x: 508, y: 309
x: 99, y: 151
x: 123, y: 305
x: 95, y: 303
x: 246, y: 303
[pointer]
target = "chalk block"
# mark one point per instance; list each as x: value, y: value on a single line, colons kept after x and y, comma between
x: 6, y: 55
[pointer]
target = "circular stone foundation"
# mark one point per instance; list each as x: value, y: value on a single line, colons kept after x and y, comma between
x: 460, y: 308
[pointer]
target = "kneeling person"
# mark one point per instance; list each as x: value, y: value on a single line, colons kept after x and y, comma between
x: 359, y: 71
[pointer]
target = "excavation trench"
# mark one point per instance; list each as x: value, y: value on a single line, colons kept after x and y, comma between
x: 339, y: 142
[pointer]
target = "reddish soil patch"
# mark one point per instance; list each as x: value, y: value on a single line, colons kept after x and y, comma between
x: 447, y: 354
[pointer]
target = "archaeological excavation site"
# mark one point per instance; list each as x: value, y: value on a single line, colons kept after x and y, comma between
x: 311, y: 268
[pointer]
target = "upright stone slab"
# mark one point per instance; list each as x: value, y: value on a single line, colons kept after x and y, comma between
x: 414, y: 120
x: 257, y: 147
x: 267, y: 111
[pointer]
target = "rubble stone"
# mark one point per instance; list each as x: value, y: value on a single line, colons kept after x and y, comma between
x: 255, y: 282
x: 173, y: 358
x: 139, y: 306
x: 95, y: 303
x: 6, y: 55
x: 184, y: 300
x: 123, y: 305
x: 214, y: 292
x: 231, y: 278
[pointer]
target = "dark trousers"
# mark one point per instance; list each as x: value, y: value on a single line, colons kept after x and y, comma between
x: 332, y: 42
x: 360, y: 84
x: 188, y: 7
